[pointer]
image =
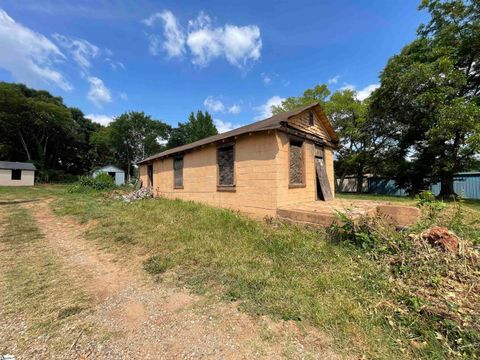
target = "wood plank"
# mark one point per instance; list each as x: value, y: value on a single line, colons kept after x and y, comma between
x: 323, y: 179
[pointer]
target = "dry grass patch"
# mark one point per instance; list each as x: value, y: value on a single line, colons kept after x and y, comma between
x: 40, y: 305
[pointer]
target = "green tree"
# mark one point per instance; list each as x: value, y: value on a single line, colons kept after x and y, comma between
x: 430, y: 94
x: 34, y: 126
x: 360, y: 137
x: 135, y: 136
x: 196, y: 128
x: 318, y: 94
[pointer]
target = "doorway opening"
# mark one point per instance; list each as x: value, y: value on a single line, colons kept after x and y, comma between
x: 150, y: 175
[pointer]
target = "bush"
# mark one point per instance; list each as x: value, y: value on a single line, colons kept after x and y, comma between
x: 101, y: 182
x: 430, y: 207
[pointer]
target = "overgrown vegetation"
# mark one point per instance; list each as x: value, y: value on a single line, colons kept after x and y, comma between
x: 434, y: 289
x: 101, y: 182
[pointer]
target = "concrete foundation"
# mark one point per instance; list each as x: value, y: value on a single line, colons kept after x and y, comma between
x: 324, y: 213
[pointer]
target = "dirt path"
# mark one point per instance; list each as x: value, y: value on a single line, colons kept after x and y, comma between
x: 147, y: 320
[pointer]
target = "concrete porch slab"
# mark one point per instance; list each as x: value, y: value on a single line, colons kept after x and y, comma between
x: 323, y: 213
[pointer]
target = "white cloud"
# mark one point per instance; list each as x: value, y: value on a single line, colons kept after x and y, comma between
x: 217, y: 106
x: 242, y: 44
x: 334, y: 80
x: 205, y: 45
x: 162, y: 141
x: 81, y: 50
x: 264, y: 111
x: 123, y: 96
x: 115, y: 64
x: 98, y: 94
x: 100, y: 118
x: 366, y: 91
x: 239, y: 45
x: 361, y: 94
x: 267, y: 80
x: 28, y: 55
x: 213, y: 104
x: 174, y: 43
x: 234, y: 109
x: 224, y: 126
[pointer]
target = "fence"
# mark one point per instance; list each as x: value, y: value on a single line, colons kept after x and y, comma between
x: 465, y: 184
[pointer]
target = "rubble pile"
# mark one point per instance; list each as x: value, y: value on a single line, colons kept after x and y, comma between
x: 142, y: 193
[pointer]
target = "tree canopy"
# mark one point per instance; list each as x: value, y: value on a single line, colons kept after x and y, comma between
x: 318, y: 94
x: 37, y: 127
x: 197, y: 127
x: 429, y: 94
x: 133, y: 136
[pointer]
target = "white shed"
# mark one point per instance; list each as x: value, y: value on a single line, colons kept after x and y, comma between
x: 17, y: 174
x: 117, y: 174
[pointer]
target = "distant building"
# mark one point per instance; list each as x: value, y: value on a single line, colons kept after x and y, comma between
x: 17, y: 174
x: 117, y: 174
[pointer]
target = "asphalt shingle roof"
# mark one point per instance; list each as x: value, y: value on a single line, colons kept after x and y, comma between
x: 274, y: 122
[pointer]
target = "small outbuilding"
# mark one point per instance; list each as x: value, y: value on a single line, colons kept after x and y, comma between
x: 117, y: 174
x: 17, y: 173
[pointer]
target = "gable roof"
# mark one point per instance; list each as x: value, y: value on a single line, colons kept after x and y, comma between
x: 109, y: 167
x: 17, y: 165
x: 272, y: 123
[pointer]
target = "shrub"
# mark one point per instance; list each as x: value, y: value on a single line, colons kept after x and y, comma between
x: 367, y: 232
x: 430, y: 208
x: 101, y: 182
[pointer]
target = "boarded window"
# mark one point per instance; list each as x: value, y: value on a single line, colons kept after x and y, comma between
x: 16, y: 174
x: 296, y: 167
x: 225, y: 159
x: 178, y: 172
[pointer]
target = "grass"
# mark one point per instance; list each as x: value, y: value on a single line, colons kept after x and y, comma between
x: 284, y: 271
x: 470, y: 203
x: 37, y: 297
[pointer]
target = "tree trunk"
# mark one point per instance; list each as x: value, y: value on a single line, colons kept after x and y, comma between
x: 24, y: 145
x: 446, y: 190
x: 360, y: 180
x: 128, y: 171
x: 340, y: 184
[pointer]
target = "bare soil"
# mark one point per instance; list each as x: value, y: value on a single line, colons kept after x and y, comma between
x: 135, y: 317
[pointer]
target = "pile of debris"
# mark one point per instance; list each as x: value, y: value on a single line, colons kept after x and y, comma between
x: 142, y: 193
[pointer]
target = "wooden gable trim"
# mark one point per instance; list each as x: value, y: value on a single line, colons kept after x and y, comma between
x: 326, y: 124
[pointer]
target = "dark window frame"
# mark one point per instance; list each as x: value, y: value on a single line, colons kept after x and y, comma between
x: 311, y: 119
x: 291, y: 184
x: 16, y: 174
x: 178, y: 158
x: 226, y: 187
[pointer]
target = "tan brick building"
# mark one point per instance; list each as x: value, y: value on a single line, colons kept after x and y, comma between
x: 283, y: 160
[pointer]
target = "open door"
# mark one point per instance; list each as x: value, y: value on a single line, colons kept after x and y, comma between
x: 324, y: 192
x: 150, y: 175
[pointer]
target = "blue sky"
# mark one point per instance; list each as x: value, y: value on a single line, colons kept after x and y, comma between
x: 169, y: 58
